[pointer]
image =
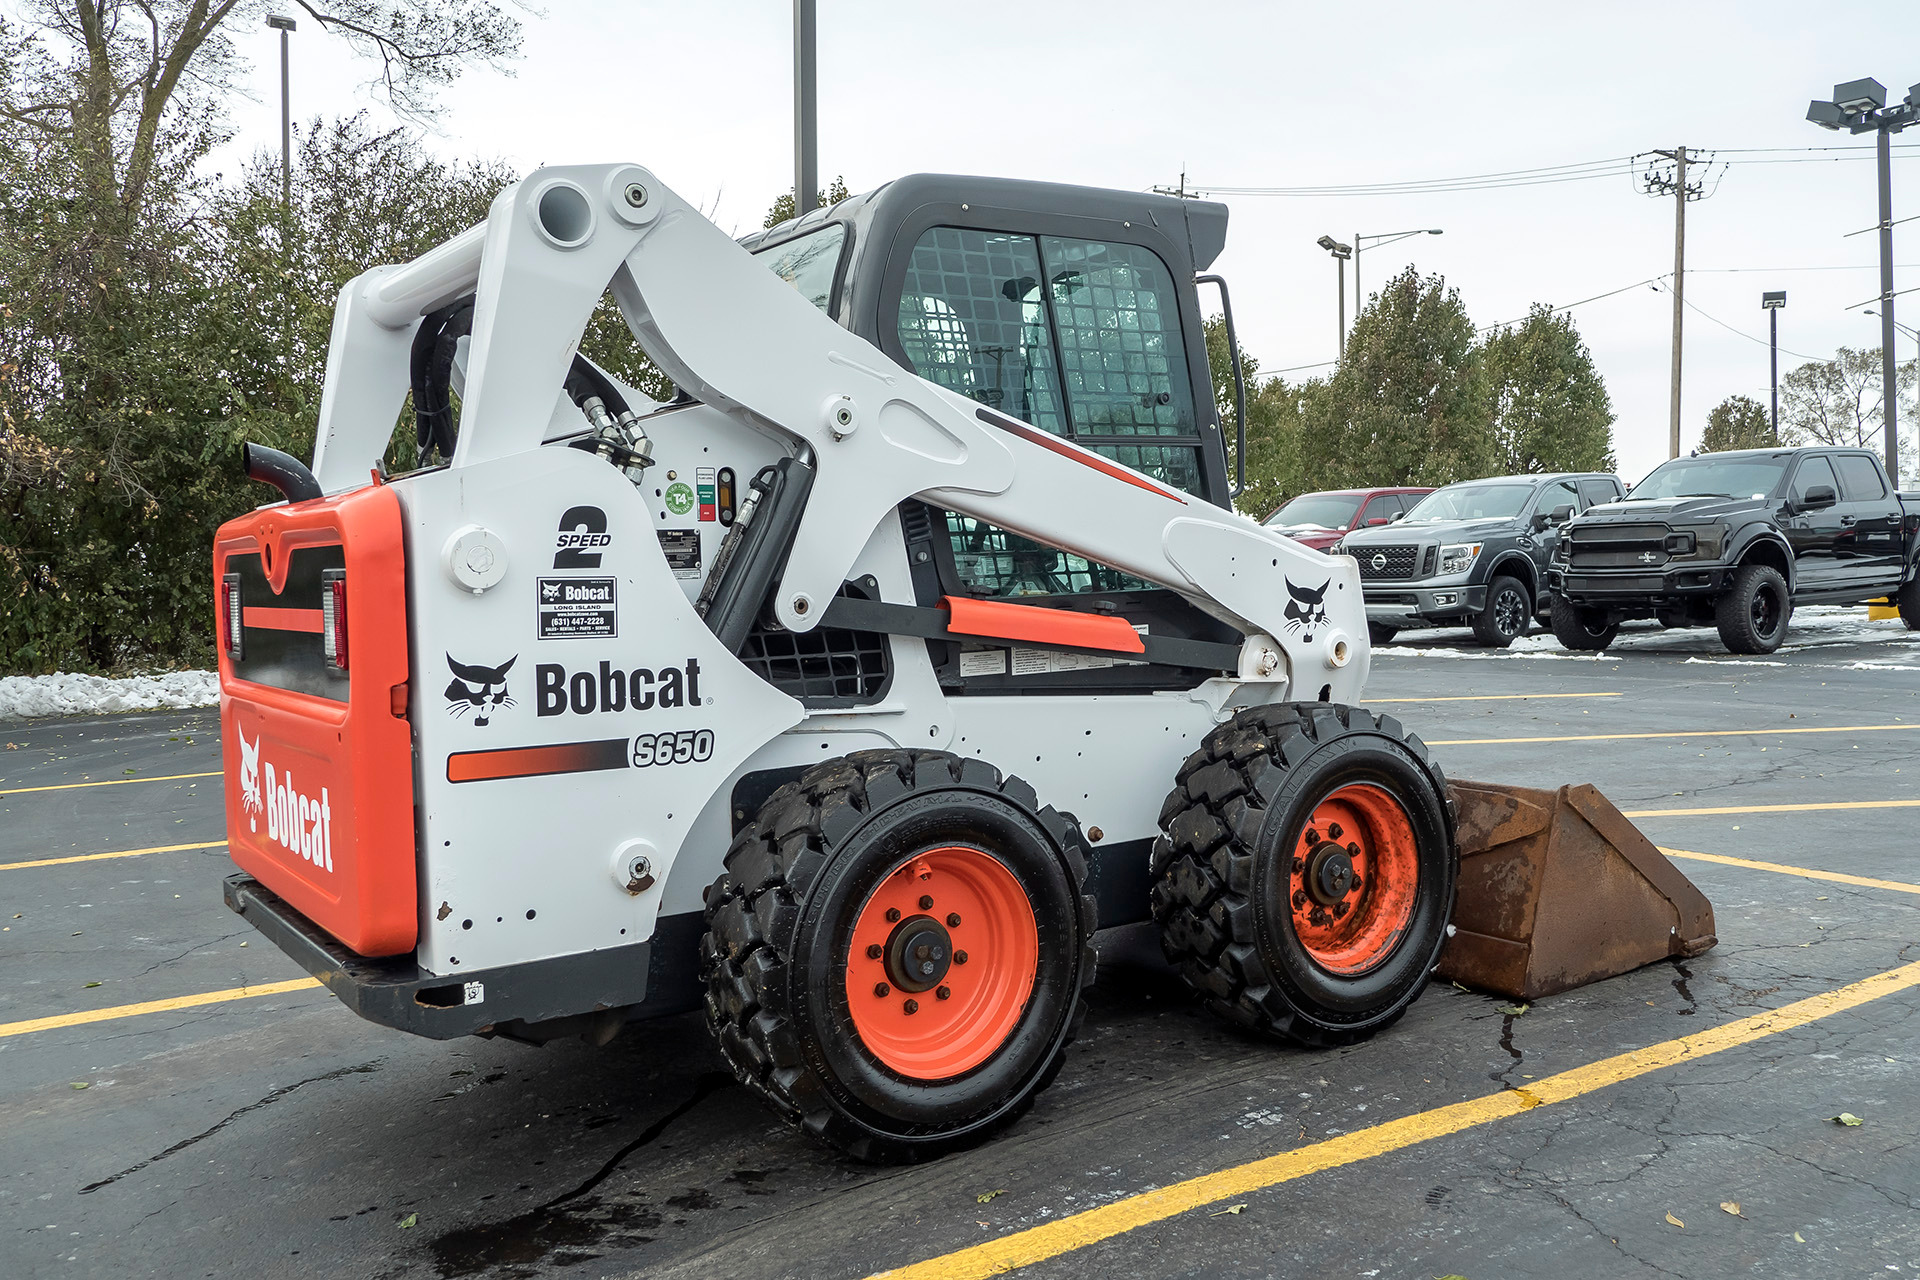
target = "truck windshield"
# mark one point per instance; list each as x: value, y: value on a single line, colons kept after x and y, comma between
x: 1318, y: 511
x: 1711, y: 477
x: 1472, y: 501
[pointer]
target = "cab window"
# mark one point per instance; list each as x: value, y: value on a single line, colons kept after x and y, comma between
x: 1599, y: 489
x: 1859, y: 479
x: 1079, y: 337
x: 809, y: 263
x: 1560, y: 493
x: 1813, y: 473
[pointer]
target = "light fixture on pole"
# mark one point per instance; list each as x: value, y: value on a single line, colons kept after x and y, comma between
x: 1772, y: 302
x: 284, y: 24
x: 1340, y: 252
x: 1860, y: 106
x: 1385, y: 238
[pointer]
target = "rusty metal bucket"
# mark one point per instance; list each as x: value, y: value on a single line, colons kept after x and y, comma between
x: 1558, y: 889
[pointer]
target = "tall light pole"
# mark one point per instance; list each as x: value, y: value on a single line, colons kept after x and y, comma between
x: 1772, y: 302
x: 1860, y: 106
x: 806, y: 157
x: 283, y: 25
x: 1385, y: 238
x: 1340, y: 252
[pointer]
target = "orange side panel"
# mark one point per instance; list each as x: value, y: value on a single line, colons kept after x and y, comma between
x: 1002, y: 621
x: 319, y: 769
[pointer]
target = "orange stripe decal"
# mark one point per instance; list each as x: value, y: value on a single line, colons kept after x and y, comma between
x: 535, y: 762
x: 1002, y: 621
x: 1073, y: 452
x: 282, y: 619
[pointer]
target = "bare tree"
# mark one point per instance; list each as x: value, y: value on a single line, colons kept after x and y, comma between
x: 1838, y: 402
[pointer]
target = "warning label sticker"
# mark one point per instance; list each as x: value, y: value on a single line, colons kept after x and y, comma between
x: 983, y: 662
x: 577, y: 608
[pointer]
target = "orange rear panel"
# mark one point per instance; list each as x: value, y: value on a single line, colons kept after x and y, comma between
x: 319, y: 762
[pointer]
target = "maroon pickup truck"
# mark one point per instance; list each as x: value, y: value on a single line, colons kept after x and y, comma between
x: 1318, y: 519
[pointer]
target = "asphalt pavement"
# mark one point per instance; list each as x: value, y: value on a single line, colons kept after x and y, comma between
x: 1675, y: 1121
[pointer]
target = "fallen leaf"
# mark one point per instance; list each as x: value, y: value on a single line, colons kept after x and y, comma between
x: 409, y: 1220
x: 1232, y: 1208
x: 1732, y: 1207
x: 1458, y: 987
x: 1514, y: 1010
x: 1849, y: 1119
x: 986, y: 1196
x: 1821, y: 898
x: 1675, y: 1221
x: 91, y: 985
x: 79, y: 1084
x: 1800, y: 1238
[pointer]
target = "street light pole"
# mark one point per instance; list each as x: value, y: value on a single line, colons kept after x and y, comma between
x: 1772, y: 302
x: 806, y: 157
x: 1386, y: 238
x: 284, y: 25
x: 1340, y: 252
x: 1860, y: 106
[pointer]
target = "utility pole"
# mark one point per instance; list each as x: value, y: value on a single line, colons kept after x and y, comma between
x: 806, y: 156
x: 1682, y: 191
x: 283, y: 25
x: 1772, y: 301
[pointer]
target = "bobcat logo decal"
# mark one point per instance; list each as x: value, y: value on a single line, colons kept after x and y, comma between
x: 549, y: 590
x: 478, y: 689
x: 1307, y: 609
x: 250, y: 778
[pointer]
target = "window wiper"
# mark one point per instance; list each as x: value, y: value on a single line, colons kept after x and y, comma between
x: 1703, y: 495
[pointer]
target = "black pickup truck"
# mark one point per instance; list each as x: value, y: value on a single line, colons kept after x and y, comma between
x: 1736, y: 540
x: 1472, y: 554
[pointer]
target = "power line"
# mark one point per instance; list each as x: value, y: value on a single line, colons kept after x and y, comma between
x: 1743, y: 333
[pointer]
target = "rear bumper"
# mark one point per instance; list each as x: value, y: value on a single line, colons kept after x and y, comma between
x: 395, y: 993
x: 1394, y: 605
x: 1627, y: 588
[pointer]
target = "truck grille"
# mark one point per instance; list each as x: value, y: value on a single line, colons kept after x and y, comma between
x: 1618, y: 546
x: 1378, y: 563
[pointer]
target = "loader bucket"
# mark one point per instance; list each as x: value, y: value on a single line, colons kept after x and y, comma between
x: 1558, y: 889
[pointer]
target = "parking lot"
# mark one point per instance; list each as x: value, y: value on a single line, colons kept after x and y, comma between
x: 177, y: 1098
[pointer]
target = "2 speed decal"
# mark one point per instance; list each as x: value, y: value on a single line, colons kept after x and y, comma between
x: 583, y: 534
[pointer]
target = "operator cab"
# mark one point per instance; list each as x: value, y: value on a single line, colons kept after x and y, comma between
x: 1072, y: 308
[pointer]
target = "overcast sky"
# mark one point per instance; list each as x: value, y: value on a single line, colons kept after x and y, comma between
x: 1123, y: 94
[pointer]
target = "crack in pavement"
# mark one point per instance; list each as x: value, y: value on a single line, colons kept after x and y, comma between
x: 277, y: 1094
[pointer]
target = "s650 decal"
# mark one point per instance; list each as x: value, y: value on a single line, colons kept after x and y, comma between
x: 689, y: 746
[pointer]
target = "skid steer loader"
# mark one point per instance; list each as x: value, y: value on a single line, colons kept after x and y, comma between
x: 850, y: 690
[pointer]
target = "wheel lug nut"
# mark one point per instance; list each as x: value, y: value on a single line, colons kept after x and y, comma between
x: 1339, y: 910
x: 1299, y: 865
x: 926, y: 902
x: 1333, y: 831
x: 953, y: 920
x: 943, y: 992
x: 1299, y: 899
x: 959, y: 957
x: 893, y: 914
x: 1353, y: 850
x: 1313, y: 835
x: 873, y: 951
x: 1355, y: 886
x: 881, y: 988
x: 912, y: 1006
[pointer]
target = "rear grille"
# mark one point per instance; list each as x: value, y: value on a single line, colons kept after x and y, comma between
x: 1618, y: 546
x: 1378, y: 563
x: 828, y: 665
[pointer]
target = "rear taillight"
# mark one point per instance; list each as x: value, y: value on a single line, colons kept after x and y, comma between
x: 230, y: 614
x: 333, y: 617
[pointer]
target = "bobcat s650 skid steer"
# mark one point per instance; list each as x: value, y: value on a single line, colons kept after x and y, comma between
x: 850, y: 690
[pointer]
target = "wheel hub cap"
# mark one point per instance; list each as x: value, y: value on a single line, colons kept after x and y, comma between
x: 1329, y: 873
x: 919, y: 954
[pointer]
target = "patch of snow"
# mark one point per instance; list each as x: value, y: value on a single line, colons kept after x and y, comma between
x: 66, y: 694
x: 1813, y: 627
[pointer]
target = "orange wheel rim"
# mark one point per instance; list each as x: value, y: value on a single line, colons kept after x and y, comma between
x: 1355, y: 873
x: 942, y: 962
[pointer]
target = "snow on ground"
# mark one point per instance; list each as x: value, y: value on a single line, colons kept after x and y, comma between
x: 69, y: 695
x: 1812, y: 628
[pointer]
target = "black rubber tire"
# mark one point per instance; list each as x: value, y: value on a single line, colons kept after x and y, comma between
x: 1908, y: 601
x: 1380, y: 633
x: 1508, y: 614
x: 1575, y: 628
x: 1757, y: 596
x: 778, y: 923
x: 1223, y: 866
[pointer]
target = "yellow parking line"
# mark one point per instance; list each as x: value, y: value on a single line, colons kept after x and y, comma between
x: 1838, y: 877
x: 108, y: 782
x: 1772, y: 808
x: 118, y: 853
x: 1497, y: 697
x: 1050, y: 1240
x: 1677, y: 733
x: 154, y: 1006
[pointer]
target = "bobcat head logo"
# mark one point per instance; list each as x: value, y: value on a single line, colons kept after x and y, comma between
x: 250, y: 778
x: 478, y: 689
x: 549, y: 591
x: 1307, y: 609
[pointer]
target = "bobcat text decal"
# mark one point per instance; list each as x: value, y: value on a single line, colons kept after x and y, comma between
x: 611, y: 689
x: 296, y: 820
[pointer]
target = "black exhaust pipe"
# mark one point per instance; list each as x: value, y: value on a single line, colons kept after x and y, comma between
x: 281, y: 470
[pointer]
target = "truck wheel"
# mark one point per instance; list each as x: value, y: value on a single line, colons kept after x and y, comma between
x: 1582, y: 629
x: 896, y: 955
x: 1380, y: 633
x: 1909, y: 602
x: 1509, y: 611
x: 1752, y: 615
x: 1305, y: 876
